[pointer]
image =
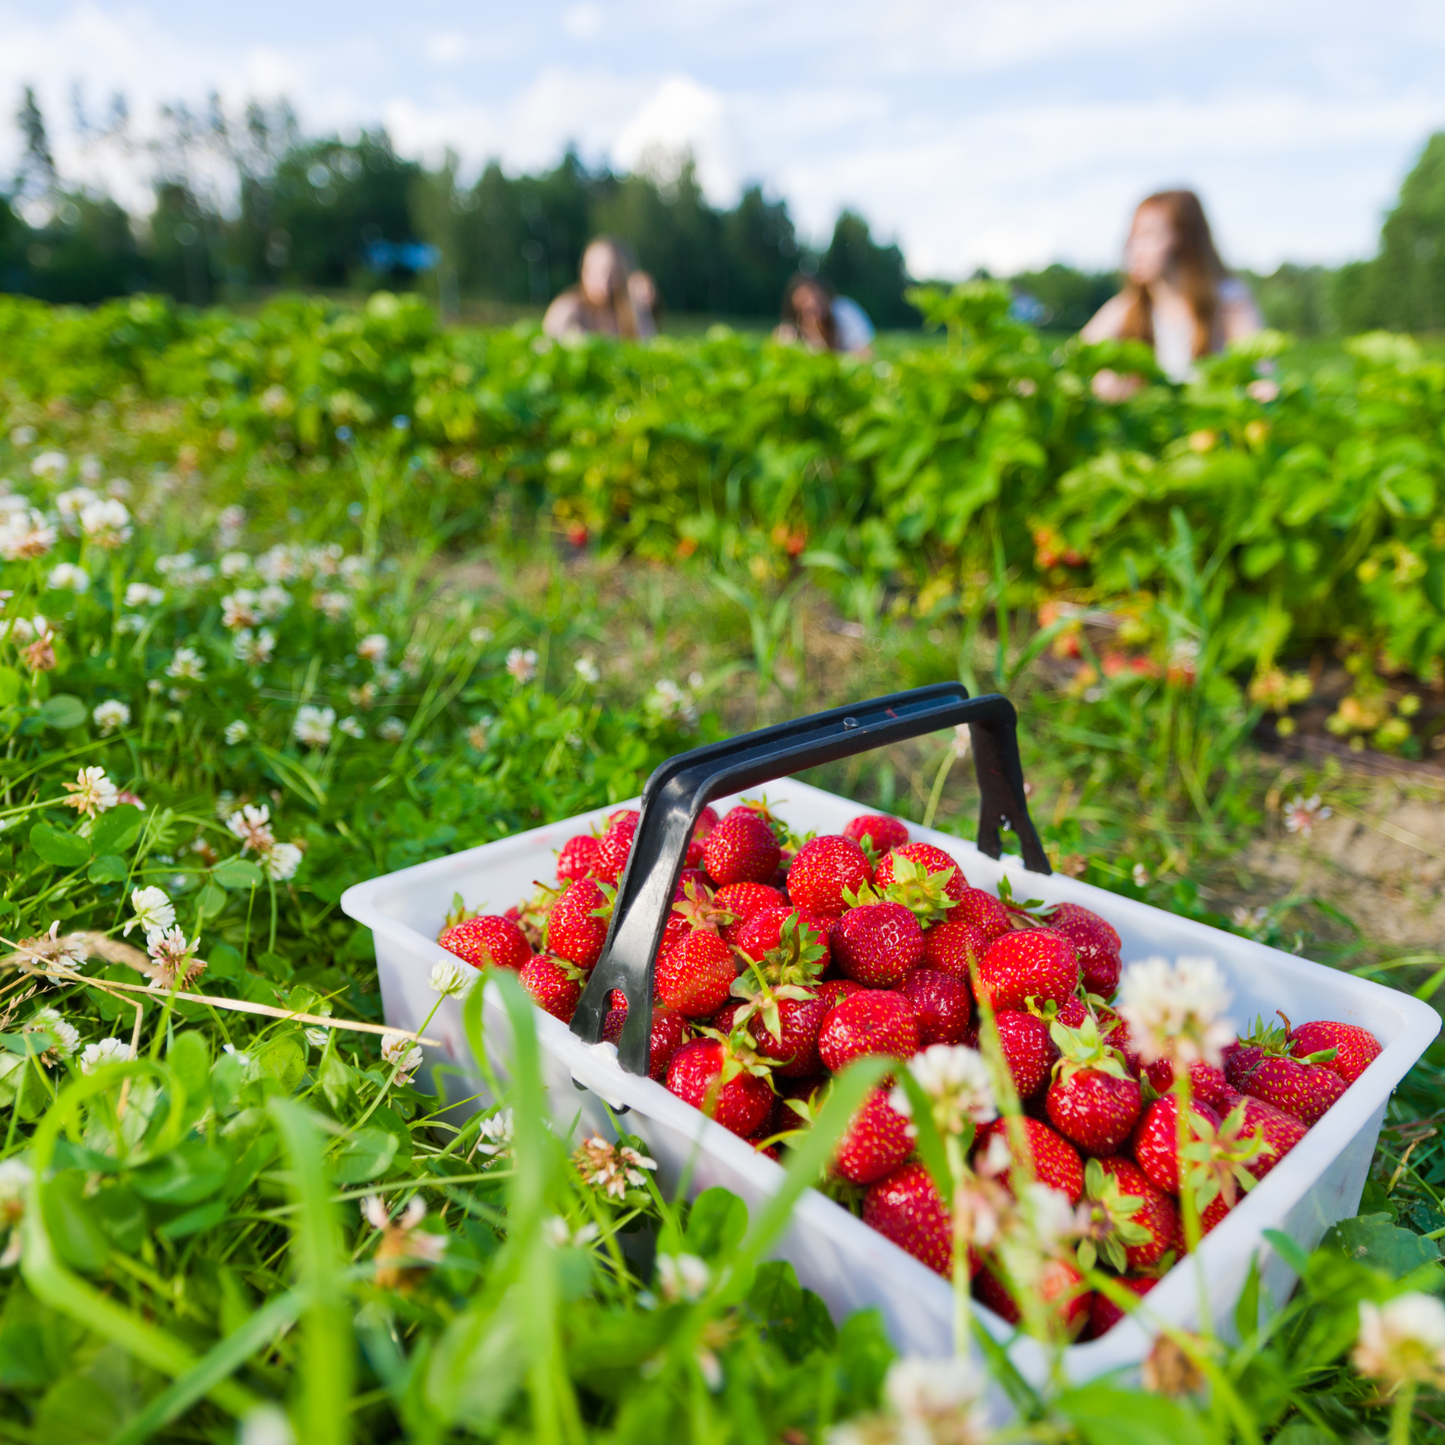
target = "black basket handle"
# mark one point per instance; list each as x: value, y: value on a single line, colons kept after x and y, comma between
x: 678, y: 791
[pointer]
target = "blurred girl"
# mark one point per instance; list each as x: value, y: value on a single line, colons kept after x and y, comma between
x: 822, y: 321
x: 1178, y: 298
x: 604, y: 302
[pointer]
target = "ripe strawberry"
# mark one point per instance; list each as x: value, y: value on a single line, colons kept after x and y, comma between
x: 744, y: 901
x: 1048, y: 1155
x: 707, y: 820
x: 577, y: 925
x: 835, y: 989
x: 615, y: 845
x: 628, y: 817
x: 1280, y: 1131
x: 1356, y: 1048
x: 669, y: 1033
x: 1093, y: 1107
x: 796, y: 1047
x: 872, y: 1021
x: 1262, y: 1066
x: 1104, y: 1314
x: 951, y: 946
x: 877, y: 944
x: 1154, y: 1212
x: 696, y: 977
x: 880, y: 831
x: 1034, y: 963
x: 929, y: 862
x: 824, y: 870
x: 875, y: 1142
x: 1059, y: 1284
x: 1207, y: 1084
x: 577, y: 858
x: 725, y: 1020
x: 1154, y: 1144
x: 1027, y: 1049
x: 1239, y: 1059
x: 616, y: 1000
x: 1096, y: 942
x: 554, y: 984
x: 741, y: 849
x: 984, y: 911
x: 488, y: 941
x: 1071, y: 1011
x: 905, y: 1206
x: 942, y: 1003
x: 763, y: 933
x: 716, y: 1078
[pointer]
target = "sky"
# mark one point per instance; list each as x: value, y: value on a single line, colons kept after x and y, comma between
x: 1004, y: 134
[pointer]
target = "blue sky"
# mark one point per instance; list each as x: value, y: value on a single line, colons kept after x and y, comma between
x: 1001, y: 134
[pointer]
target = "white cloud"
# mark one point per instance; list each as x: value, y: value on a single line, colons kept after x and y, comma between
x: 447, y: 47
x: 583, y: 22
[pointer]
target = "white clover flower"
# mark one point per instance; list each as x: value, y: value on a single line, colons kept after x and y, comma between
x: 49, y: 464
x: 494, y: 1135
x: 333, y: 604
x: 251, y: 824
x: 352, y: 727
x: 175, y: 962
x: 240, y: 608
x: 587, y: 669
x: 670, y: 703
x: 67, y: 577
x: 1176, y: 1010
x: 106, y: 522
x: 65, y: 1035
x: 325, y: 560
x: 451, y: 980
x: 237, y: 731
x: 1140, y: 875
x: 23, y: 436
x: 682, y: 1277
x: 373, y: 648
x: 480, y: 635
x: 187, y: 665
x: 107, y: 1051
x: 1048, y: 1217
x: 92, y: 793
x: 265, y: 1424
x: 560, y: 1235
x: 234, y: 564
x: 254, y: 648
x: 477, y: 735
x: 279, y: 564
x: 391, y: 730
x: 612, y: 1168
x: 24, y: 535
x: 389, y: 679
x: 272, y: 601
x: 1303, y: 813
x: 281, y: 861
x: 933, y: 1392
x: 522, y: 664
x: 313, y: 725
x: 142, y: 594
x: 1401, y: 1340
x: 957, y: 1080
x: 109, y: 715
x: 356, y: 571
x: 403, y: 1054
x: 154, y: 911
x: 317, y: 1037
x: 131, y: 622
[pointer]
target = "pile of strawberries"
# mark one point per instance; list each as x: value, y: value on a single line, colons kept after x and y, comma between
x: 784, y: 959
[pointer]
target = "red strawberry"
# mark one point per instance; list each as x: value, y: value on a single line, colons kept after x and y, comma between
x: 1096, y: 942
x: 745, y: 901
x: 614, y: 847
x: 1155, y: 1142
x: 1059, y: 1284
x: 881, y: 831
x: 906, y: 1207
x: 763, y: 932
x: 1104, y: 1314
x: 872, y: 1021
x: 669, y: 1033
x: 877, y: 944
x: 875, y: 1142
x: 488, y: 941
x: 1207, y: 1084
x: 1027, y: 1049
x: 554, y: 984
x: 1035, y: 963
x: 628, y: 817
x: 930, y: 860
x: 1154, y: 1213
x: 942, y: 1003
x: 1356, y: 1048
x: 1239, y: 1059
x: 616, y: 1000
x: 707, y: 820
x: 984, y: 911
x: 1279, y: 1130
x: 716, y: 1078
x: 837, y: 988
x: 1304, y: 1090
x: 696, y: 977
x: 575, y: 930
x: 797, y: 1046
x: 741, y: 849
x: 823, y: 869
x: 1048, y: 1155
x: 951, y: 946
x: 577, y: 858
x: 724, y: 1021
x: 1072, y: 1011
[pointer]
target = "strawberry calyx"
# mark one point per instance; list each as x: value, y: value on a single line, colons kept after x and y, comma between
x: 701, y: 913
x: 1083, y: 1048
x: 1216, y: 1160
x: 1026, y: 908
x: 740, y: 1054
x: 918, y: 890
x: 795, y: 963
x: 1106, y: 1220
x: 459, y: 912
x: 786, y: 839
x: 609, y: 895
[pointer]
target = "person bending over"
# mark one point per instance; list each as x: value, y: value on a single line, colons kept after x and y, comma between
x: 1177, y: 297
x: 813, y: 315
x: 609, y: 299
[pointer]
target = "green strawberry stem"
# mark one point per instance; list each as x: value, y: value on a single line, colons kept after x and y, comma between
x: 1400, y: 1413
x: 1182, y: 1092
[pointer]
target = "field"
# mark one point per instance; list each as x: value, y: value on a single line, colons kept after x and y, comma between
x: 329, y: 591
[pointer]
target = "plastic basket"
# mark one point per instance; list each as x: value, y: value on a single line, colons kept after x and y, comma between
x: 836, y: 1255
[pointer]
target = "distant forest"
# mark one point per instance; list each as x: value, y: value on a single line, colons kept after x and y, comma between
x: 247, y: 204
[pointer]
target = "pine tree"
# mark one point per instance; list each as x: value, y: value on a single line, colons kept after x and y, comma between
x: 37, y: 175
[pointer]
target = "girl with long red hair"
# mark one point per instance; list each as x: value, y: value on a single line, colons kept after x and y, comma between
x: 1177, y: 298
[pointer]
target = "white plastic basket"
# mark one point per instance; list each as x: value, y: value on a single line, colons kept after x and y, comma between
x: 836, y: 1255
